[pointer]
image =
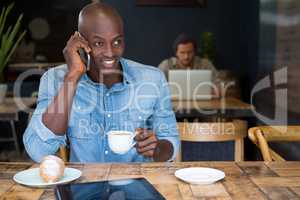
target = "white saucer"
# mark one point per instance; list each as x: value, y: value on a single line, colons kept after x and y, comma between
x: 199, y: 175
x: 31, y: 177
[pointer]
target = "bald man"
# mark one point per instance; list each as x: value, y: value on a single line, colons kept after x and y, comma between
x: 79, y: 107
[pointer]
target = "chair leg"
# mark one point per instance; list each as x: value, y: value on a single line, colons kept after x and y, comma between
x: 63, y: 153
x: 263, y: 145
x: 239, y: 150
x: 179, y: 155
x: 14, y: 133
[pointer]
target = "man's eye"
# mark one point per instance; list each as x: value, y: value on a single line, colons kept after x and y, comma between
x: 99, y: 44
x: 117, y: 43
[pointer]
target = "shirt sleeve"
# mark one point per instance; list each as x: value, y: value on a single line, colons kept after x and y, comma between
x: 164, y: 121
x: 40, y: 141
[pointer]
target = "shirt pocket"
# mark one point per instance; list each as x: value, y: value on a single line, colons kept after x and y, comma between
x: 140, y: 118
x: 81, y: 125
x: 143, y: 105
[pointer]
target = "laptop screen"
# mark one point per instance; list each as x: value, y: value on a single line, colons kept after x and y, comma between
x: 190, y: 84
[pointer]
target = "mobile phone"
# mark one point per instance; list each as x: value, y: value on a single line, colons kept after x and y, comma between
x: 85, y: 57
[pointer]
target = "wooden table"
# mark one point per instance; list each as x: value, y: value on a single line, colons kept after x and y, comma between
x: 223, y: 107
x: 244, y: 180
x: 9, y: 110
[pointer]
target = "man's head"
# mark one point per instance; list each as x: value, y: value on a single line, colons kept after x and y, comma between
x: 185, y: 48
x: 102, y: 27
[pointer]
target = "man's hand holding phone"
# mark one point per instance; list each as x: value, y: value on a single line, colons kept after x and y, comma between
x: 75, y: 64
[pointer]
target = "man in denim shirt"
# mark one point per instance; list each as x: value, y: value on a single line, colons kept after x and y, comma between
x: 115, y: 94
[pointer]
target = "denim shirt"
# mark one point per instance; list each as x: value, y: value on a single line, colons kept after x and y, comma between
x: 142, y: 99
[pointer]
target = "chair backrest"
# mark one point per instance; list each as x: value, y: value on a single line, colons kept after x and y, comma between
x: 261, y: 135
x: 235, y: 130
x: 212, y: 131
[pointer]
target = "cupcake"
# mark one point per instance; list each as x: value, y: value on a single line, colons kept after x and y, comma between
x: 52, y: 168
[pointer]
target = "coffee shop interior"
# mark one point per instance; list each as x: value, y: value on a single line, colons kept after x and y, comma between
x: 215, y: 108
x: 253, y: 45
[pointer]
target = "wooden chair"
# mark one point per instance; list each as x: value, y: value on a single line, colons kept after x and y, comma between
x: 261, y: 135
x: 215, y: 132
x: 63, y: 153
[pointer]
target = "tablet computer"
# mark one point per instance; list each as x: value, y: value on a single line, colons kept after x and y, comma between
x: 129, y: 189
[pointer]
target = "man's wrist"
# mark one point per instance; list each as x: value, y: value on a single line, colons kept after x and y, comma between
x: 72, y: 77
x: 163, y: 151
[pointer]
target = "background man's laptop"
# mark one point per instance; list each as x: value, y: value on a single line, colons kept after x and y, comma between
x: 190, y: 84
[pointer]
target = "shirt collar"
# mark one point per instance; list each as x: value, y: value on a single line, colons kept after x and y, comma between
x: 127, y: 76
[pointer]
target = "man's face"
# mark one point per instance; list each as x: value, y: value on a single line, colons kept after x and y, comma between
x: 185, y: 54
x: 105, y: 37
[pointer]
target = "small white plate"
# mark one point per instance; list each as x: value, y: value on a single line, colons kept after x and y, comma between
x: 31, y: 177
x: 199, y: 175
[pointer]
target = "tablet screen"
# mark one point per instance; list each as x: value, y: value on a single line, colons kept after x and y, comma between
x: 129, y: 189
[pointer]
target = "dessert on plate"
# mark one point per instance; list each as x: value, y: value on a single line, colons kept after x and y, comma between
x: 52, y: 169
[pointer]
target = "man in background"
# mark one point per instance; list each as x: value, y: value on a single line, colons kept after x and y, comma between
x: 185, y: 49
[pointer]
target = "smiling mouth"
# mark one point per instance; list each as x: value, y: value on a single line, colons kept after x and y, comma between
x: 109, y: 63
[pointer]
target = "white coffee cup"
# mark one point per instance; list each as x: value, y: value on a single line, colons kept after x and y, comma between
x: 120, y: 142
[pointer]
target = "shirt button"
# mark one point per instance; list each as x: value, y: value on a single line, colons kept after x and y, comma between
x: 140, y: 117
x: 108, y: 115
x: 106, y: 152
x: 107, y: 94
